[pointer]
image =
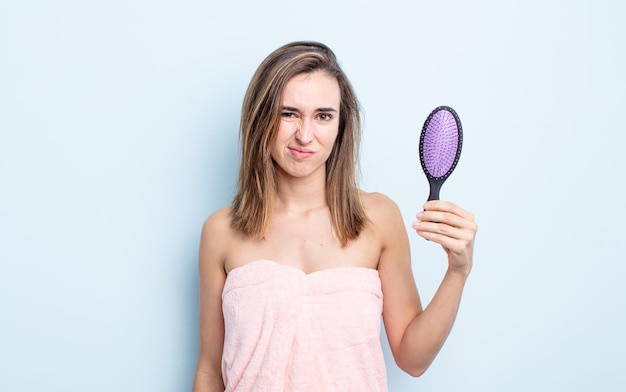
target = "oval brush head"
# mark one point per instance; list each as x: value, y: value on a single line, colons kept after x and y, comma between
x: 440, y: 147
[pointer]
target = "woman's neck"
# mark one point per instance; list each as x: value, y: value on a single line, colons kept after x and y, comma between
x: 301, y: 194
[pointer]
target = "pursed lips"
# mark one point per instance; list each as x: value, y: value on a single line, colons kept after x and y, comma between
x: 301, y: 153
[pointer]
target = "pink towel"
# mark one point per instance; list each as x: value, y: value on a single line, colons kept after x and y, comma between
x: 291, y: 331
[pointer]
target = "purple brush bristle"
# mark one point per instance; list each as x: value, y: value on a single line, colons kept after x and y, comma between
x: 440, y: 147
x: 441, y: 142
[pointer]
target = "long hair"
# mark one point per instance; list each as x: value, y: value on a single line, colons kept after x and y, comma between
x: 260, y: 116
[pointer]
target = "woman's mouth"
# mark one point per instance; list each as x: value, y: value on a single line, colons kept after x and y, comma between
x: 300, y: 153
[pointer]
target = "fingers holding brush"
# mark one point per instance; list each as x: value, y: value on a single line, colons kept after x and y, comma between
x: 452, y: 227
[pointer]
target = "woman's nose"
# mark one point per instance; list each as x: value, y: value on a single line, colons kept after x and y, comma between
x: 305, y: 132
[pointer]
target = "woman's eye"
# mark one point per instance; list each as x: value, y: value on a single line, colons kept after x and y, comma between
x: 288, y: 114
x: 325, y: 117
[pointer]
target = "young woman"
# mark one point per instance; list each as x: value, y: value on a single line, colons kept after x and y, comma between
x: 295, y: 275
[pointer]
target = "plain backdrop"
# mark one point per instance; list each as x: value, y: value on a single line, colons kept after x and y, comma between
x: 118, y: 137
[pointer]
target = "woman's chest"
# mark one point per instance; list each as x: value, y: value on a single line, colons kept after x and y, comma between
x: 309, y: 247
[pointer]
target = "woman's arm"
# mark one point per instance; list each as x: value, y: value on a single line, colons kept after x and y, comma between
x: 416, y: 335
x: 212, y: 277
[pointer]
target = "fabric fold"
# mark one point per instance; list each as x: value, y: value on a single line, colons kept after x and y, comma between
x: 286, y: 330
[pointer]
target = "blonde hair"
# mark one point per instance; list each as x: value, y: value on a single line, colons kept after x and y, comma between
x: 260, y: 116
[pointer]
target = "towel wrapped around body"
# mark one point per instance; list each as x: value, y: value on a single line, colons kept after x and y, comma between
x: 286, y: 330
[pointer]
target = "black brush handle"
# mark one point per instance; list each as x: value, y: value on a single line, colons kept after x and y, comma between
x: 435, y: 187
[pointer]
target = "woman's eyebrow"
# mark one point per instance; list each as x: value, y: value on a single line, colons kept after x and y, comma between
x: 318, y: 110
x: 326, y: 110
x: 293, y: 109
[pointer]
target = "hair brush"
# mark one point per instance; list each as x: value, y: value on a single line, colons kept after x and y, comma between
x: 440, y: 147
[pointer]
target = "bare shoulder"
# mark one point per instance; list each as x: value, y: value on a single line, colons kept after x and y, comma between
x: 380, y: 209
x: 216, y: 236
x: 219, y: 220
x: 385, y: 220
x: 217, y: 224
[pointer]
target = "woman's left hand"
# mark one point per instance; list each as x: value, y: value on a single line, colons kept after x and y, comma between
x: 453, y: 228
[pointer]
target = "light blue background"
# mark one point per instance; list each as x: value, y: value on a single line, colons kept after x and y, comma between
x: 118, y: 137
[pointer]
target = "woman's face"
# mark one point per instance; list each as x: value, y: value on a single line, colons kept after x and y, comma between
x: 309, y: 124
